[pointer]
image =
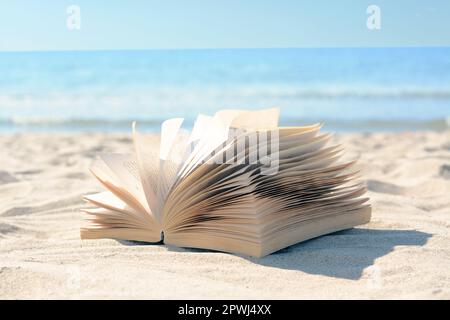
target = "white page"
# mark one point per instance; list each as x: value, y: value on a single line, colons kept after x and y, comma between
x: 200, y: 128
x: 125, y: 169
x: 170, y: 166
x: 257, y: 119
x: 169, y: 132
x: 147, y: 156
x: 215, y: 133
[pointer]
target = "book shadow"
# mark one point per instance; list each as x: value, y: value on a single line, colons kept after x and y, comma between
x: 138, y: 243
x: 343, y: 254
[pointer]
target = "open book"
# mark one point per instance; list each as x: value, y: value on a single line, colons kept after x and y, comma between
x: 236, y: 183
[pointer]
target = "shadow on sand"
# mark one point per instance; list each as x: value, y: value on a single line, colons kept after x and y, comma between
x: 344, y: 254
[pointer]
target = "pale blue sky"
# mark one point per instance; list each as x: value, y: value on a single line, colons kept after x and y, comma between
x: 148, y: 24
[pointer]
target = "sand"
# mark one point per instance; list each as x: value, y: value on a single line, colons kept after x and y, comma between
x: 404, y: 252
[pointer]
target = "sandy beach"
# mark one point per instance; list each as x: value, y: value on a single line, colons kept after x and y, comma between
x: 403, y: 253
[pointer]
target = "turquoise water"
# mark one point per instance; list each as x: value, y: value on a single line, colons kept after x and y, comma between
x: 348, y: 89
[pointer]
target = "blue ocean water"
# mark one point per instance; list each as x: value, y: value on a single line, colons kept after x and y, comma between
x: 363, y: 89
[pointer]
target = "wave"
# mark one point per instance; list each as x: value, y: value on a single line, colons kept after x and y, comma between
x: 355, y: 93
x: 340, y: 107
x: 377, y: 124
x: 38, y: 121
x: 52, y: 123
x: 189, y: 95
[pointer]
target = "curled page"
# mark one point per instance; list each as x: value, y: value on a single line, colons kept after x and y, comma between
x: 147, y: 158
x: 169, y: 132
x: 200, y: 128
x: 211, y: 133
x: 257, y: 129
x: 264, y: 119
x: 174, y: 146
x: 214, y: 132
x: 124, y: 168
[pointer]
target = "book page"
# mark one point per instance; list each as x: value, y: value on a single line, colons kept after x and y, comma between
x: 250, y: 120
x: 264, y: 119
x: 169, y: 132
x: 172, y: 160
x: 172, y: 151
x: 223, y: 120
x: 147, y: 157
x: 110, y: 201
x: 200, y: 128
x: 215, y: 134
x: 125, y: 169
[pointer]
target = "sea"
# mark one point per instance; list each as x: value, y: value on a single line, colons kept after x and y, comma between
x: 348, y: 89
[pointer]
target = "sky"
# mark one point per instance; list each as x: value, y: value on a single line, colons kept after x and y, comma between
x: 35, y: 25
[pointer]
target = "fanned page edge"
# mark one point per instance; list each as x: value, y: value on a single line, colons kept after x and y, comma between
x: 350, y: 218
x: 96, y: 226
